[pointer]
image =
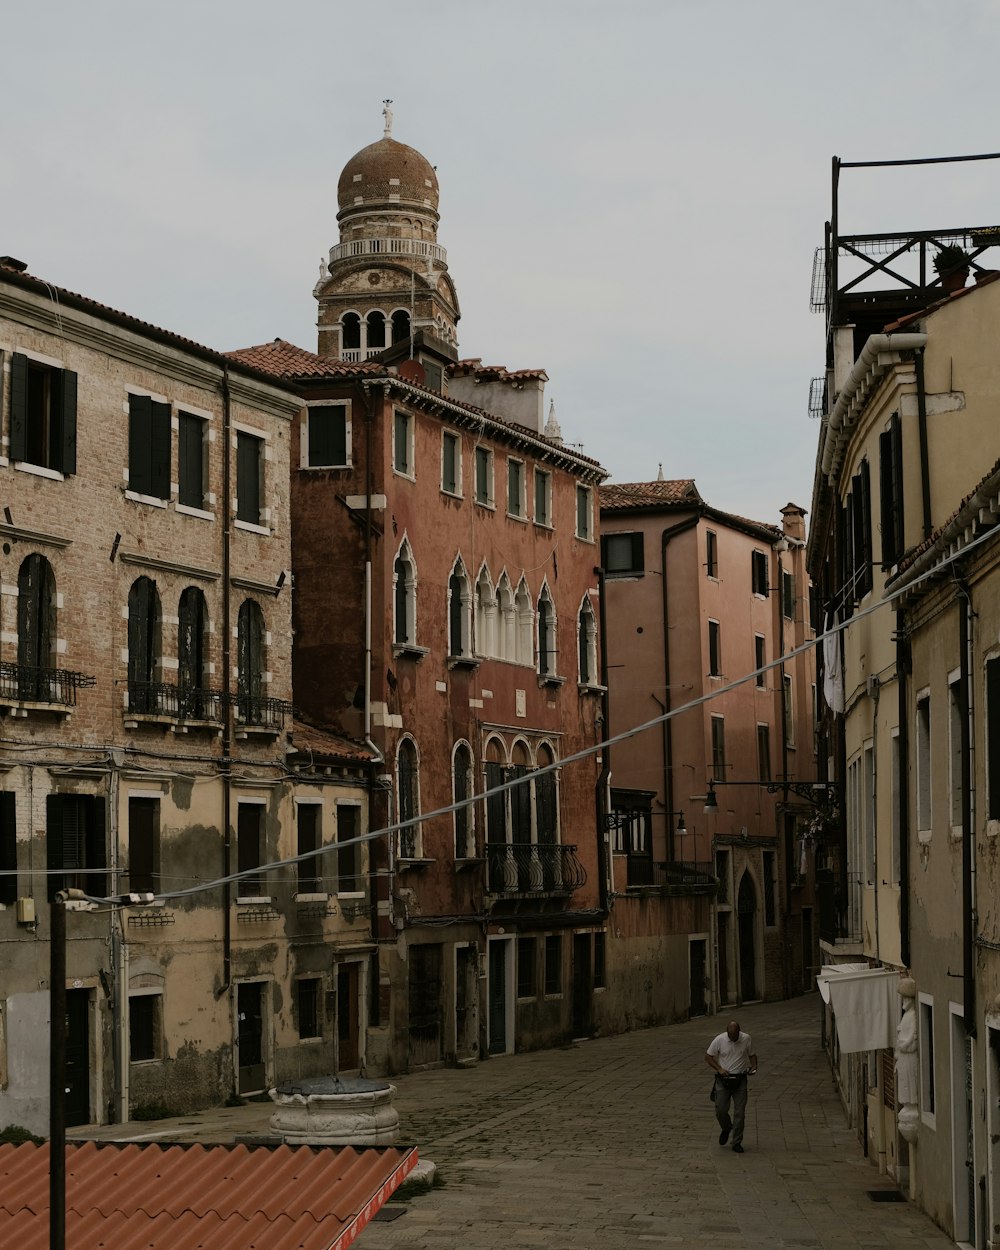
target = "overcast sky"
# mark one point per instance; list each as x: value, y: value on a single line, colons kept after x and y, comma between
x: 630, y: 194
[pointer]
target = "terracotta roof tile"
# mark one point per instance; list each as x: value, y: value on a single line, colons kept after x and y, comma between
x: 157, y: 1196
x: 494, y: 373
x: 285, y: 360
x: 988, y: 277
x: 621, y: 495
x: 323, y: 742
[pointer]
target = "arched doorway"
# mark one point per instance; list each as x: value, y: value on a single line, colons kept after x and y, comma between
x: 746, y: 906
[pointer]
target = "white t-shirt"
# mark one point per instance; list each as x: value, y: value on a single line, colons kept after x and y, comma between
x: 733, y: 1056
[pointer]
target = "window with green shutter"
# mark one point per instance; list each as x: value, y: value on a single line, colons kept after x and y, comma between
x: 42, y: 414
x: 148, y: 447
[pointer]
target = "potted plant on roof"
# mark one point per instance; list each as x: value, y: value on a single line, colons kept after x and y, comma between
x: 951, y: 265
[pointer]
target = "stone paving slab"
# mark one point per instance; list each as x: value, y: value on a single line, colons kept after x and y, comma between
x: 612, y: 1144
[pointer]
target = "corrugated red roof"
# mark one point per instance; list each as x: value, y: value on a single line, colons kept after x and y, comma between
x: 616, y: 495
x: 189, y: 1197
x: 285, y: 360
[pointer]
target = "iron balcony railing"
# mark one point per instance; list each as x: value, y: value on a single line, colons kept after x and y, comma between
x: 26, y: 684
x: 261, y: 711
x: 674, y: 878
x: 533, y: 868
x: 160, y: 698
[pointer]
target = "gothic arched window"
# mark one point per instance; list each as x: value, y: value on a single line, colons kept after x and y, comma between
x: 250, y: 639
x: 192, y: 624
x: 144, y: 623
x: 36, y: 622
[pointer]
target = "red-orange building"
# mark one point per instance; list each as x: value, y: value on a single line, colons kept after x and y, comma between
x: 446, y: 609
x: 712, y: 907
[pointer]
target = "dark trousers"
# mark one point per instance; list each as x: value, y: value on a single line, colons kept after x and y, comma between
x: 737, y: 1095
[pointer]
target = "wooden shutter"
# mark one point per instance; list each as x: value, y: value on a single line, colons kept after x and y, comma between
x: 64, y: 447
x: 190, y: 461
x: 545, y: 807
x: 190, y: 639
x: 142, y: 865
x: 8, y: 848
x: 247, y: 478
x: 54, y: 843
x: 159, y: 451
x: 140, y: 409
x: 496, y: 805
x: 96, y: 848
x: 520, y: 806
x: 886, y: 487
x: 18, y: 406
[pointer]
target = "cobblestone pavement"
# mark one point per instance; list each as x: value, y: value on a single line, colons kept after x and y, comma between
x: 612, y: 1143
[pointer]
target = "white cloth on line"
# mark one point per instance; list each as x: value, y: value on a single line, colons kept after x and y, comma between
x: 866, y: 1006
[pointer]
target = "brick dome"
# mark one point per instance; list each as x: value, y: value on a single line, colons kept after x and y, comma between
x: 384, y: 171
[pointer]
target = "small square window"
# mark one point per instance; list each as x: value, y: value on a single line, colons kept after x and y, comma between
x: 328, y: 437
x: 402, y: 443
x: 527, y: 973
x: 622, y: 554
x: 484, y: 477
x: 543, y: 497
x: 584, y: 513
x: 451, y: 463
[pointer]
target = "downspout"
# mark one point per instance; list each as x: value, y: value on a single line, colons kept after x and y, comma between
x: 119, y: 961
x: 925, y: 471
x: 903, y: 673
x: 601, y: 798
x: 227, y: 717
x: 668, y: 535
x: 968, y: 847
x: 782, y: 830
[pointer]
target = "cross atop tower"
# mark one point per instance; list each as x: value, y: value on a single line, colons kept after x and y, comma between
x: 387, y: 114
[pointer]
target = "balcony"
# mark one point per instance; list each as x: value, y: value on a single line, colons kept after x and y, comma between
x: 389, y: 247
x: 24, y: 687
x: 531, y: 869
x: 180, y: 703
x: 644, y: 875
x: 257, y: 712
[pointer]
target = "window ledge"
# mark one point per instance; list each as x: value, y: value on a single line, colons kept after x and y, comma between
x: 351, y: 894
x: 152, y: 500
x: 256, y: 731
x: 307, y: 898
x: 198, y: 726
x: 40, y: 470
x: 586, y: 687
x: 187, y: 510
x: 254, y: 900
x: 486, y: 503
x: 409, y: 651
x: 463, y: 661
x: 402, y: 864
x: 134, y: 719
x: 28, y: 707
x: 325, y: 468
x: 451, y: 494
x: 550, y: 679
x: 472, y: 861
x: 251, y: 528
x: 517, y: 516
x: 543, y: 525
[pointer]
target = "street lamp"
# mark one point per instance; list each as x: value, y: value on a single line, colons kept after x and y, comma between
x: 821, y: 794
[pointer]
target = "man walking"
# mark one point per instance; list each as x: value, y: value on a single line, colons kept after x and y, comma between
x: 731, y: 1058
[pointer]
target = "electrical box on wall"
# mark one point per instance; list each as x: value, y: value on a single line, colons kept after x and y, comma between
x: 25, y: 911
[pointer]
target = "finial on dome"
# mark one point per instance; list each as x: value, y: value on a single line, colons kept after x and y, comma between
x: 387, y: 114
x: 659, y: 476
x: 552, y: 430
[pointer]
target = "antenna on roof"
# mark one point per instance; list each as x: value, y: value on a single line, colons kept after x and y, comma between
x: 387, y: 114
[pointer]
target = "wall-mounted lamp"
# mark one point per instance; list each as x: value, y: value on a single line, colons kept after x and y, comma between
x: 281, y: 580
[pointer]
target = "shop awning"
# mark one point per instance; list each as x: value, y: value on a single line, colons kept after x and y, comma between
x: 865, y: 1004
x: 159, y: 1196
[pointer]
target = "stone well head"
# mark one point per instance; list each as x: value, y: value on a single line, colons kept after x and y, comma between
x: 335, y: 1111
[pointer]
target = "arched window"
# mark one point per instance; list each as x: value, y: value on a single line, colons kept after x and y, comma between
x: 192, y: 625
x: 485, y: 614
x: 465, y: 824
x: 500, y: 868
x: 404, y: 576
x: 144, y: 623
x: 587, y: 638
x: 36, y: 627
x: 350, y: 332
x: 400, y: 326
x: 547, y: 820
x: 506, y: 624
x: 459, y: 611
x: 409, y: 799
x: 546, y: 634
x: 250, y: 638
x: 524, y: 643
x: 376, y: 331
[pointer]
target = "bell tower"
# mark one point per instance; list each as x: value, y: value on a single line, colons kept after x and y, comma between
x: 387, y: 278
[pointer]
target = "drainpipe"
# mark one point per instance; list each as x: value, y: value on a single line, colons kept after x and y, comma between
x: 227, y: 720
x: 782, y: 826
x: 903, y: 673
x: 925, y: 472
x: 119, y: 962
x: 601, y: 797
x: 968, y: 846
x: 668, y: 535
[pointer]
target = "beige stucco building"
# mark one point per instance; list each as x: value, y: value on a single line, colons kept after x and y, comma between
x: 147, y: 737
